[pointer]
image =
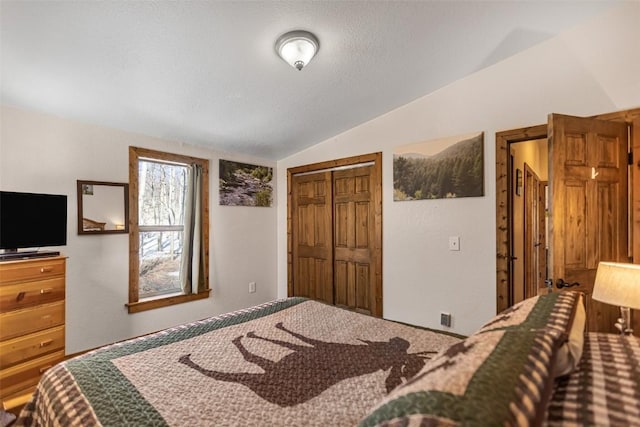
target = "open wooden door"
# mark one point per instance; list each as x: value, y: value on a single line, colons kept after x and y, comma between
x: 313, y: 237
x: 588, y: 206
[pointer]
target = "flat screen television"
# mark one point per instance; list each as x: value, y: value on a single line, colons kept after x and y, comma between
x: 31, y: 220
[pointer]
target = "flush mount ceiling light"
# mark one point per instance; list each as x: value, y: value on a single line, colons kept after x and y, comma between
x: 297, y: 48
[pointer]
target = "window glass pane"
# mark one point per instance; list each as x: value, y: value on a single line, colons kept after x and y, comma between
x: 160, y: 253
x: 161, y: 193
x: 159, y: 186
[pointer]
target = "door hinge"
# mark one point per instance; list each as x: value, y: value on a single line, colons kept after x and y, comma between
x: 630, y: 157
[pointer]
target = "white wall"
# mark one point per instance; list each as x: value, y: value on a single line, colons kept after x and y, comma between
x: 591, y: 69
x: 42, y: 153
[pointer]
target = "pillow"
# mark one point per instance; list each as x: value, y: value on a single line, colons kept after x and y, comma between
x: 553, y: 310
x: 560, y: 311
x: 499, y: 377
x: 570, y: 352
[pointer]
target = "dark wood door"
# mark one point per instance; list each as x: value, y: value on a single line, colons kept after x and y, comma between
x: 354, y: 233
x: 334, y: 232
x: 534, y: 233
x: 588, y: 205
x: 312, y: 223
x: 541, y: 244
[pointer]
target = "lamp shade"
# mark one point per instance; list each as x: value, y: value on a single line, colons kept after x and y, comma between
x: 297, y: 48
x: 618, y: 284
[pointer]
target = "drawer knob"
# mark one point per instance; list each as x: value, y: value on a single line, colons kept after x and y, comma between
x: 20, y: 297
x: 44, y: 369
x: 46, y: 290
x: 46, y: 269
x: 46, y: 343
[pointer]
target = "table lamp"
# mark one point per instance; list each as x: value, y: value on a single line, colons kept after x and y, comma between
x: 619, y: 284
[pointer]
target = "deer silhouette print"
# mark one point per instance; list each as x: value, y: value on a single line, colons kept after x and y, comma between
x: 310, y: 369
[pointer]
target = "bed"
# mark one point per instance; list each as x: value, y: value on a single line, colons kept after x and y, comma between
x: 294, y: 361
x: 300, y: 362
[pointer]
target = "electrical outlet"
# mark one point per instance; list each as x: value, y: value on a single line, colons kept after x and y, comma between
x: 445, y: 319
x: 252, y: 287
x: 454, y: 243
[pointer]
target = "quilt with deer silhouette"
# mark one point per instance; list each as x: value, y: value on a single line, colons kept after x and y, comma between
x: 288, y: 362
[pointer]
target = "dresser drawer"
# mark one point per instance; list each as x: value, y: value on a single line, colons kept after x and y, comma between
x: 14, y: 297
x: 25, y: 375
x: 16, y: 271
x: 27, y: 347
x: 20, y: 322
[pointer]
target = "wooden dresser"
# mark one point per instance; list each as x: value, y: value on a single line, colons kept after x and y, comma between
x: 32, y: 298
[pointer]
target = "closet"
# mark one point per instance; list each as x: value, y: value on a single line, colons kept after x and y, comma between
x: 335, y: 232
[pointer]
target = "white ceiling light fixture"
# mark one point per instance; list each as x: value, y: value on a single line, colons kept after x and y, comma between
x: 297, y: 48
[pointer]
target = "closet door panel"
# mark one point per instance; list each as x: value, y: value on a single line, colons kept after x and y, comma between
x: 313, y: 237
x: 353, y: 237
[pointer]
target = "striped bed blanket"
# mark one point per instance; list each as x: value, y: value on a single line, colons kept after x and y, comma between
x: 604, y: 390
x: 288, y: 362
x: 530, y: 365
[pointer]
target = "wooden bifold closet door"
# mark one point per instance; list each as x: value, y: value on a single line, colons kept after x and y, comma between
x: 335, y: 238
x: 313, y: 242
x: 353, y: 238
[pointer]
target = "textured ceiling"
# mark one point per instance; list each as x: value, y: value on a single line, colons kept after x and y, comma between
x: 205, y: 72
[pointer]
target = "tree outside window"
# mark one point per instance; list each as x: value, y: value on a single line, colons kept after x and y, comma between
x: 169, y: 229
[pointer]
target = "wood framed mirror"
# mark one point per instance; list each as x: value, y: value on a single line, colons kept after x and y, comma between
x: 103, y: 207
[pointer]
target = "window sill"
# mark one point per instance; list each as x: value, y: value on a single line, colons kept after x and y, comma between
x: 136, y: 307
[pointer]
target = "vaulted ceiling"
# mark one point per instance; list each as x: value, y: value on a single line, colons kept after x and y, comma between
x: 206, y: 73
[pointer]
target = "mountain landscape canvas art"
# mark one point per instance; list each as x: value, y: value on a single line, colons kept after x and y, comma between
x: 443, y: 168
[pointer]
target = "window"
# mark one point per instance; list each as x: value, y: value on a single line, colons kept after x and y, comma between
x: 169, y: 238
